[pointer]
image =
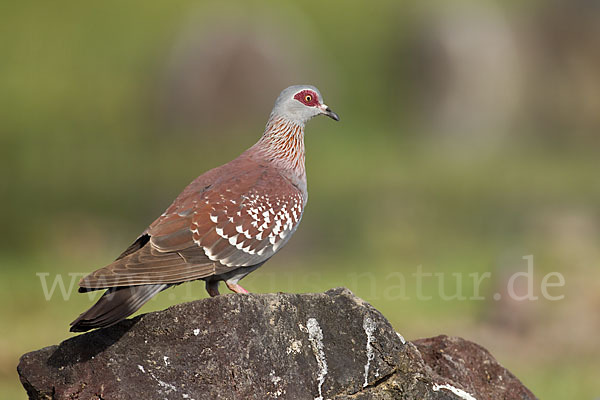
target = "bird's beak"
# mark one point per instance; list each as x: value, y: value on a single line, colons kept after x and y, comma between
x: 327, y: 111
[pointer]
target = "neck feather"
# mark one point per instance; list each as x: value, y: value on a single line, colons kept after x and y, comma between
x: 283, y: 144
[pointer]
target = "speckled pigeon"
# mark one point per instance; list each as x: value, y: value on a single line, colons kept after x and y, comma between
x: 224, y: 225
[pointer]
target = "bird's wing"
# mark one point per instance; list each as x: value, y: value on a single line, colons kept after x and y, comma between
x: 150, y: 266
x: 235, y: 222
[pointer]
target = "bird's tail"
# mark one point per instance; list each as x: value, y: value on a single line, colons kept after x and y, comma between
x: 115, y: 305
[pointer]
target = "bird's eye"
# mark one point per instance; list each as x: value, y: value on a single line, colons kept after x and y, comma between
x: 308, y: 98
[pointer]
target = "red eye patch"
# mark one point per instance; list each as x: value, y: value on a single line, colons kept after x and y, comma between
x: 307, y: 97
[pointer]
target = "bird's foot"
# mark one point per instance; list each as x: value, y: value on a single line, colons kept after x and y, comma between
x: 234, y: 287
x: 212, y: 287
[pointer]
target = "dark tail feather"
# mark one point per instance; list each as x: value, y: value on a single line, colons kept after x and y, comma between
x: 115, y: 305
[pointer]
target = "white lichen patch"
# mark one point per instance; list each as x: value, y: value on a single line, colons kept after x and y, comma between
x: 166, y: 387
x: 459, y: 392
x: 166, y: 360
x: 448, y: 358
x: 196, y: 332
x: 369, y: 326
x: 275, y: 380
x: 401, y: 338
x: 315, y: 336
x: 295, y: 347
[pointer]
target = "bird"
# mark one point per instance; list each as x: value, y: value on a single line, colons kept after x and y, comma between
x: 225, y: 224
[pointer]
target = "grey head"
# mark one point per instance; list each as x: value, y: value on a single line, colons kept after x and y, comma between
x: 299, y: 103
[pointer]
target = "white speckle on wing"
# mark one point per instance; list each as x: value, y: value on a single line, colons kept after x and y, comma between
x: 166, y: 360
x: 209, y: 253
x: 141, y: 368
x: 459, y: 392
x: 196, y: 332
x: 276, y: 228
x: 401, y: 338
x: 248, y: 250
x: 233, y: 240
x: 277, y: 245
x: 369, y: 326
x: 266, y: 217
x: 315, y: 336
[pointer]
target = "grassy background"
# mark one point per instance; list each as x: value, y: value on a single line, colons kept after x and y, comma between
x: 95, y: 141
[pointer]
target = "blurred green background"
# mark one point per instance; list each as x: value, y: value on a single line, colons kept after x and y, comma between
x: 468, y: 140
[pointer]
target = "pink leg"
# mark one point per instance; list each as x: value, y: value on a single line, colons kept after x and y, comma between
x: 234, y: 287
x: 212, y: 288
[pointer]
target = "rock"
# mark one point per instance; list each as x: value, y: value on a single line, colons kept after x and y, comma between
x: 458, y: 360
x: 329, y: 345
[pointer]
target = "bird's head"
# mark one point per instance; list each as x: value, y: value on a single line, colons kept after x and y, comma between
x: 300, y: 103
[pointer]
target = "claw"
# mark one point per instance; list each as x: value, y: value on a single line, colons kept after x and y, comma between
x: 234, y: 287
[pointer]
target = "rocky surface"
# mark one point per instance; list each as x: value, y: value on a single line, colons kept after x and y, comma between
x: 329, y: 345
